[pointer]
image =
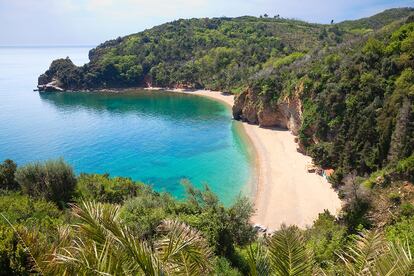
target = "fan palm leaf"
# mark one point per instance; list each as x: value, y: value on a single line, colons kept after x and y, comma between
x: 183, y: 249
x: 103, y: 245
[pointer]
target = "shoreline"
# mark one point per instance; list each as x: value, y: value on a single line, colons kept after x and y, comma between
x: 285, y: 192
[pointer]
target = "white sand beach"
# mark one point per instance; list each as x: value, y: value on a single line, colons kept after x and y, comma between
x: 286, y: 192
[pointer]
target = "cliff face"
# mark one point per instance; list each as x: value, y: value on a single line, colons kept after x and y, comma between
x: 252, y: 108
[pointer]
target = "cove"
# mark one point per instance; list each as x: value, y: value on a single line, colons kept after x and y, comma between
x: 159, y: 138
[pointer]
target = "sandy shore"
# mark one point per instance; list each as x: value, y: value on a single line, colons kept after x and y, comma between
x: 286, y: 192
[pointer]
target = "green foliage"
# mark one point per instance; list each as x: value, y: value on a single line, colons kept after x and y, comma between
x: 223, y: 268
x: 276, y: 62
x: 14, y: 258
x: 52, y: 180
x: 65, y: 72
x: 222, y: 226
x: 21, y: 209
x: 370, y: 254
x: 7, y: 171
x: 402, y: 231
x: 144, y: 235
x: 145, y: 211
x: 284, y: 253
x: 102, y: 244
x: 288, y: 254
x: 357, y: 104
x: 216, y: 53
x: 379, y: 20
x: 394, y: 198
x: 324, y: 238
x: 102, y: 188
x: 407, y: 209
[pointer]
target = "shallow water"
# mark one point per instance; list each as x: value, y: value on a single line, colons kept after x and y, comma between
x: 156, y: 137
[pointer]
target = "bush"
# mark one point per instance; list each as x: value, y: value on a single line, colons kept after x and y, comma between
x: 145, y: 212
x: 324, y: 238
x: 14, y: 259
x: 394, y: 198
x: 7, y: 171
x: 406, y: 167
x: 407, y: 209
x: 105, y: 189
x: 402, y: 231
x: 20, y: 209
x: 52, y: 180
x: 223, y: 268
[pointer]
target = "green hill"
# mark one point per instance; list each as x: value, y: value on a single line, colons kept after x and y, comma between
x: 218, y: 53
x: 345, y: 89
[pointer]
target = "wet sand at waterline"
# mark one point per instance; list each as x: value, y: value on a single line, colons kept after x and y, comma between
x: 286, y: 192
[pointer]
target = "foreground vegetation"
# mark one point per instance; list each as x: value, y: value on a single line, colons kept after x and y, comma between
x: 53, y: 222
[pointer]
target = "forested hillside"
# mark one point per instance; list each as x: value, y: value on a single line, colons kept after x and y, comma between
x: 218, y: 53
x: 352, y: 107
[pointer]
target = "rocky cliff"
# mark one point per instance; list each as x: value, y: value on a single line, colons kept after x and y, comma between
x: 286, y: 113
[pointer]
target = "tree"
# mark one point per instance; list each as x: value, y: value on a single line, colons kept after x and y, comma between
x: 52, y: 180
x: 7, y: 171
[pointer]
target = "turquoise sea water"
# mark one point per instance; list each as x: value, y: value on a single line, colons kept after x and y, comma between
x: 156, y: 137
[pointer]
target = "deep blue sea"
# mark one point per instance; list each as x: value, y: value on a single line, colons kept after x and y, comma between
x: 159, y: 138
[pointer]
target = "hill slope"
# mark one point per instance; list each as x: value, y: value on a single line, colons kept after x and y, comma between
x: 346, y: 89
x: 218, y: 53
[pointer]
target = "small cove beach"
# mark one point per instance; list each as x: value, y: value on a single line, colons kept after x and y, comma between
x: 286, y: 192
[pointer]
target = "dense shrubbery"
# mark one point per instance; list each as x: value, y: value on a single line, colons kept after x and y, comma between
x: 14, y: 258
x: 126, y: 227
x: 53, y: 180
x: 110, y: 190
x: 7, y: 171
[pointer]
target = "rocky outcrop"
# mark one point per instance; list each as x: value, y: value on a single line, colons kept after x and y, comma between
x: 245, y: 107
x: 62, y: 74
x: 286, y: 113
x: 50, y: 87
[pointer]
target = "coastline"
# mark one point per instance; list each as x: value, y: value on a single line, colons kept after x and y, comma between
x: 286, y: 192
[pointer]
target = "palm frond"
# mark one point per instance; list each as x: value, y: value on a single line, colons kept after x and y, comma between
x: 183, y: 249
x: 360, y: 256
x: 288, y: 254
x: 398, y: 261
x: 257, y: 260
x: 101, y: 245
